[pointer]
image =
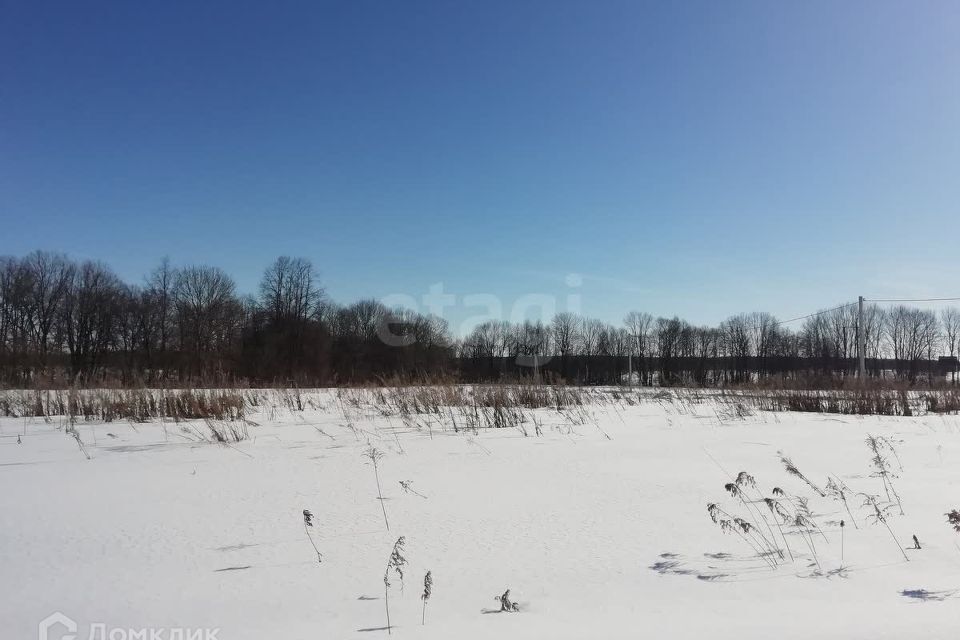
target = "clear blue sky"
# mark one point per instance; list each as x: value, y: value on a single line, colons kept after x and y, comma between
x: 691, y: 158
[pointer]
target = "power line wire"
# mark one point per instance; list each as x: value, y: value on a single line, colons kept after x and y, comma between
x: 911, y: 299
x: 758, y: 327
x: 817, y: 313
x: 853, y: 304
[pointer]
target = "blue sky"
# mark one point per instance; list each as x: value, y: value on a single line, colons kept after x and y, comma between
x: 693, y: 158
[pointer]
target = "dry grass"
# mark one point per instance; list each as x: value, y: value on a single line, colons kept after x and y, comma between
x: 467, y: 407
x: 135, y: 405
x: 473, y: 407
x: 872, y: 400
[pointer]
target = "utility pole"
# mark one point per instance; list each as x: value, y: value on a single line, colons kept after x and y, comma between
x: 861, y: 346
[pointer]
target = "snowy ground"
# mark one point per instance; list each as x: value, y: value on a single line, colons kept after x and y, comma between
x: 599, y: 529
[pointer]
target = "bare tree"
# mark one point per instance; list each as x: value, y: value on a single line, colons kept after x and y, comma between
x: 639, y: 325
x: 15, y: 292
x: 564, y: 329
x: 842, y: 324
x: 764, y: 333
x: 160, y: 290
x: 531, y: 343
x: 208, y: 312
x: 874, y: 319
x: 290, y: 290
x: 589, y: 339
x: 737, y: 342
x: 950, y: 319
x: 50, y: 277
x: 706, y: 350
x: 912, y: 335
x: 668, y: 334
x: 816, y: 340
x: 90, y: 314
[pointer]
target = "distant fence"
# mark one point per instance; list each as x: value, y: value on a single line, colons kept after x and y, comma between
x: 698, y: 371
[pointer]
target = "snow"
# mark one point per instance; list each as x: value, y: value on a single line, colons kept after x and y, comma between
x: 599, y: 529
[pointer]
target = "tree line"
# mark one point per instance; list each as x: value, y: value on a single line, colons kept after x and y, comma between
x: 901, y: 342
x: 69, y: 322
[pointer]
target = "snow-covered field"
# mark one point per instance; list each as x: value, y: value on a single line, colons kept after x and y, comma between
x: 598, y: 526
